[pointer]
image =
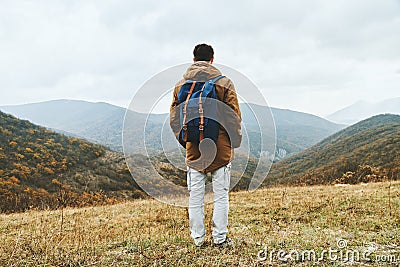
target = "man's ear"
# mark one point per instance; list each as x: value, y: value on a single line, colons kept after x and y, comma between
x: 194, y: 60
x: 211, y: 60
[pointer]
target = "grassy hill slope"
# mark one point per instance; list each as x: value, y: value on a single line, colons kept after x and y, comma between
x: 149, y: 233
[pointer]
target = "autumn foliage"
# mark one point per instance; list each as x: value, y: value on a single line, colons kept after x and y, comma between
x: 43, y: 169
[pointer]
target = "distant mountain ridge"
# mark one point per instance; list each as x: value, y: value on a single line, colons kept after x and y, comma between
x: 92, y: 121
x: 362, y: 110
x: 102, y: 123
x: 372, y: 144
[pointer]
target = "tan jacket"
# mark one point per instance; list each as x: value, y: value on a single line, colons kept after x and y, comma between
x: 202, y: 71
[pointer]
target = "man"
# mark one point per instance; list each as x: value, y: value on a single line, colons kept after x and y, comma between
x: 202, y: 70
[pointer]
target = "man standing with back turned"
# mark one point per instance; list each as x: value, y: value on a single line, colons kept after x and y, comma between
x: 202, y: 71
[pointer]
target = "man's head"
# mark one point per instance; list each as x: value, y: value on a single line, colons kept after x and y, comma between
x: 203, y: 52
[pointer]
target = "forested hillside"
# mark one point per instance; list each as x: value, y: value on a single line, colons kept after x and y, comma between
x: 366, y: 151
x: 40, y: 168
x: 43, y: 169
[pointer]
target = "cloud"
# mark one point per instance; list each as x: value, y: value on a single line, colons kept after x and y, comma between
x: 314, y: 56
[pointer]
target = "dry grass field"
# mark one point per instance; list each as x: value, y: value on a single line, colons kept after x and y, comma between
x: 364, y: 217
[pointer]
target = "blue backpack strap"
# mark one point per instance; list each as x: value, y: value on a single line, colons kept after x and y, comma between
x: 216, y: 78
x: 210, y: 87
x: 210, y: 84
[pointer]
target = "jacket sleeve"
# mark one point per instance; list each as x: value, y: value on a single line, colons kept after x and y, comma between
x: 174, y: 117
x: 233, y: 119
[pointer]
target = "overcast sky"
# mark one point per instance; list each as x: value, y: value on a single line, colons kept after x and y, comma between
x: 311, y: 56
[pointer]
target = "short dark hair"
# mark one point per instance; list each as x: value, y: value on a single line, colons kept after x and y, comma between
x: 203, y: 52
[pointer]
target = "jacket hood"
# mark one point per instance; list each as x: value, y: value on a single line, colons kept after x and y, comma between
x: 201, y: 71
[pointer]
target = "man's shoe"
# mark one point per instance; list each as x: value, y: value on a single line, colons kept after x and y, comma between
x: 228, y: 243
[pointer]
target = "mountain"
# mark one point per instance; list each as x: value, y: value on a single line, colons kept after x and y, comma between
x: 97, y: 122
x: 43, y: 169
x: 102, y: 123
x: 295, y: 131
x: 363, y: 110
x: 368, y: 150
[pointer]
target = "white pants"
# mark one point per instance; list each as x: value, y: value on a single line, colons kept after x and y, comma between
x: 196, y: 185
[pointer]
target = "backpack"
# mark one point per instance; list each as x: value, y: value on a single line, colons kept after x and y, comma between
x: 197, y: 106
